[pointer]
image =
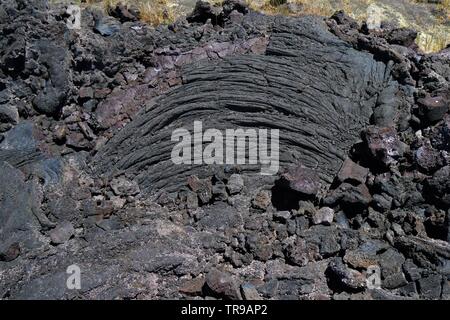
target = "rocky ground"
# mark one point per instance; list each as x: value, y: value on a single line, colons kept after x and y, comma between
x: 85, y: 121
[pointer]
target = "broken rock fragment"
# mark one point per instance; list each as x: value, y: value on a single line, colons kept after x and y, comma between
x: 433, y: 109
x: 203, y: 188
x: 9, y: 252
x: 302, y: 180
x: 438, y: 186
x: 262, y: 200
x: 428, y: 159
x: 193, y: 287
x: 383, y: 144
x: 345, y: 278
x: 63, y: 232
x: 324, y: 215
x: 124, y: 187
x: 352, y: 172
x: 223, y: 285
x: 249, y: 292
x: 9, y: 116
x: 235, y: 184
x: 350, y: 196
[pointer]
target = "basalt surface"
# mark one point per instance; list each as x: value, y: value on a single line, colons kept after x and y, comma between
x: 86, y: 118
x: 319, y: 99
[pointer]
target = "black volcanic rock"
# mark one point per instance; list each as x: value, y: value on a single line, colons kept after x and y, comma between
x: 304, y: 120
x: 87, y: 178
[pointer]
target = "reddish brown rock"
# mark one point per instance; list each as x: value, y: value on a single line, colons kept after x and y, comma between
x: 223, y: 285
x: 352, y: 172
x: 86, y: 93
x: 383, y: 144
x: 193, y: 287
x: 302, y: 180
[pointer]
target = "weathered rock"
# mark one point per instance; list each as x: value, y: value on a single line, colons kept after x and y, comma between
x: 18, y: 205
x: 223, y: 285
x: 282, y: 216
x: 203, y: 188
x: 325, y: 147
x: 219, y: 191
x: 350, y: 196
x: 124, y: 187
x: 302, y: 180
x: 60, y: 134
x: 234, y: 5
x: 436, y: 224
x: 301, y: 252
x: 324, y: 215
x: 411, y: 271
x: 106, y: 27
x: 9, y: 116
x: 425, y: 252
x: 352, y: 172
x: 360, y: 258
x: 204, y: 11
x: 220, y: 216
x: 438, y: 186
x: 409, y: 290
x: 63, y: 232
x: 50, y: 101
x: 430, y: 287
x: 440, y: 138
x: 394, y: 281
x: 249, y: 292
x: 238, y: 70
x: 86, y: 93
x: 52, y: 96
x: 189, y: 198
x: 382, y: 202
x: 77, y: 141
x: 262, y: 200
x: 193, y: 287
x: 428, y: 159
x: 383, y: 144
x: 391, y: 262
x: 9, y: 252
x: 260, y: 246
x: 345, y: 278
x: 122, y: 13
x: 402, y: 36
x: 343, y: 19
x: 326, y: 238
x: 235, y: 184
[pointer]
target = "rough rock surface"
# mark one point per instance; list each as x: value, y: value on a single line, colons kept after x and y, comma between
x: 86, y: 118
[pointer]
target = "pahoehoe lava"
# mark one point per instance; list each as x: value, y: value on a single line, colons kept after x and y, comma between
x: 86, y: 118
x: 315, y: 88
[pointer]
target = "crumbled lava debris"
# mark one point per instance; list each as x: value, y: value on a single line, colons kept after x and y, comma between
x: 86, y: 118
